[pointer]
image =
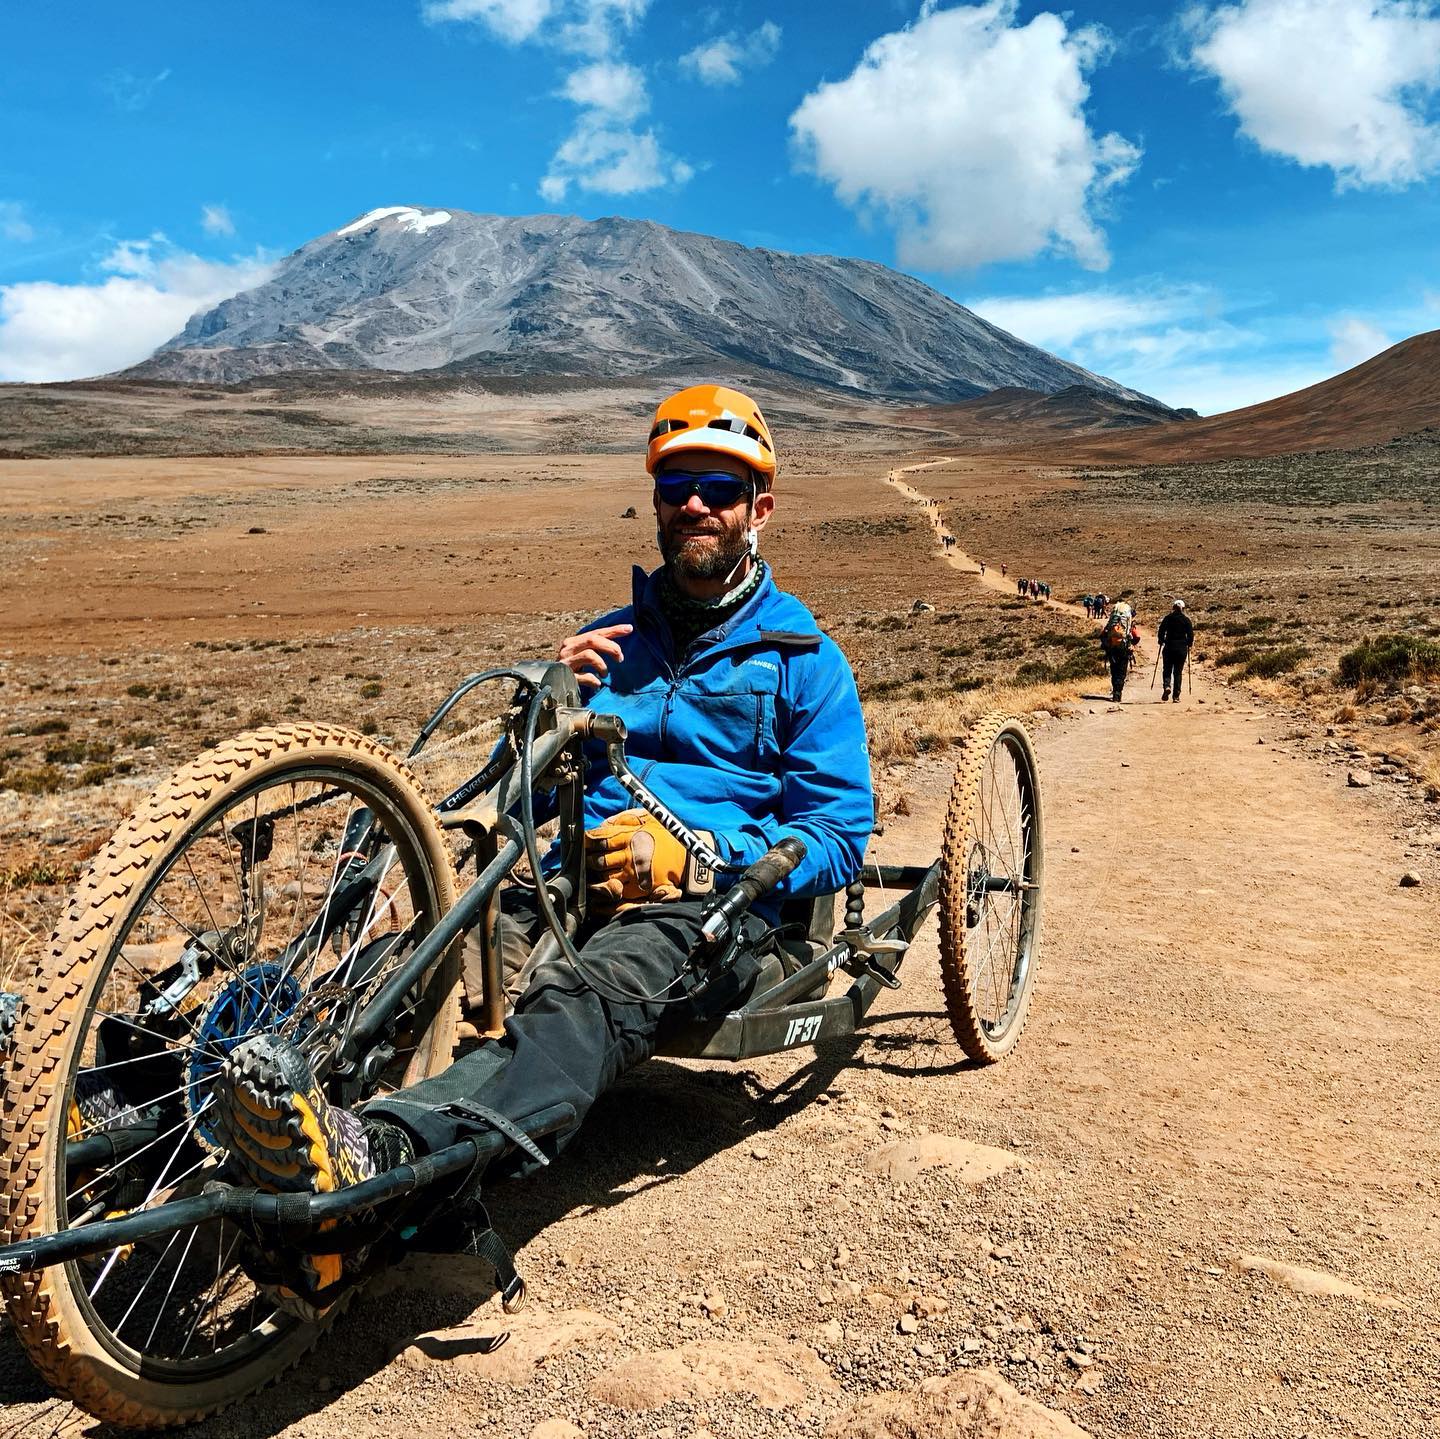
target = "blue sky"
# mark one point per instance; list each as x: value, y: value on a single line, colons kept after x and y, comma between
x: 1215, y: 204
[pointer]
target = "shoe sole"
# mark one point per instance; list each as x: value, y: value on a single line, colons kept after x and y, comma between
x: 281, y: 1135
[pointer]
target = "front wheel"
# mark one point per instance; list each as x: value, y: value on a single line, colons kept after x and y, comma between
x: 271, y: 886
x: 992, y: 874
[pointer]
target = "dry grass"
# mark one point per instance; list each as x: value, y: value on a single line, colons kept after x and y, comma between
x: 900, y: 729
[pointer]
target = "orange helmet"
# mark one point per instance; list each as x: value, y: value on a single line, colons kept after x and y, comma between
x: 724, y: 422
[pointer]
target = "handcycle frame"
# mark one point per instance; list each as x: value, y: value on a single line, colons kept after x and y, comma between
x: 542, y: 749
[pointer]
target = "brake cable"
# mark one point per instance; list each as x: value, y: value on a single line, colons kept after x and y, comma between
x: 542, y: 890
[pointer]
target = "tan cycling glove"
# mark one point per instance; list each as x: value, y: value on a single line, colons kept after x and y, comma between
x: 633, y: 859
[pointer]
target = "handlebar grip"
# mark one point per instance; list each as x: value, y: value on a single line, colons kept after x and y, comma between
x: 758, y: 880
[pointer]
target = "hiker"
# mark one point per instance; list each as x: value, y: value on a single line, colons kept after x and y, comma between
x: 982, y: 568
x: 1020, y: 586
x: 1004, y: 569
x: 1118, y: 640
x: 1175, y: 636
x: 1086, y: 601
x: 741, y: 713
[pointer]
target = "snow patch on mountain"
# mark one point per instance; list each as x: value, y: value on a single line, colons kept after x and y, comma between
x: 407, y: 217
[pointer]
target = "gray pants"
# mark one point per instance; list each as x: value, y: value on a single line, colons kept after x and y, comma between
x: 566, y: 1042
x: 520, y: 928
x: 1119, y: 661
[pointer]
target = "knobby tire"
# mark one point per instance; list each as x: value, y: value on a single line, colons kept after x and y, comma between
x: 45, y: 1306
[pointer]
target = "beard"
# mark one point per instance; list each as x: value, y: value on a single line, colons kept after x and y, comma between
x: 706, y: 549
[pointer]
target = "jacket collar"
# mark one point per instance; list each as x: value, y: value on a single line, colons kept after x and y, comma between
x: 768, y: 607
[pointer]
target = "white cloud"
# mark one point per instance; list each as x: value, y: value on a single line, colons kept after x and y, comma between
x: 605, y: 151
x: 725, y: 59
x: 1062, y: 321
x: 1175, y: 342
x: 580, y: 27
x: 1189, y: 345
x: 512, y: 20
x: 967, y: 132
x: 50, y: 331
x: 596, y: 27
x: 616, y: 90
x: 215, y: 219
x: 610, y: 160
x: 1353, y: 341
x: 14, y: 224
x: 1214, y: 389
x: 1343, y: 84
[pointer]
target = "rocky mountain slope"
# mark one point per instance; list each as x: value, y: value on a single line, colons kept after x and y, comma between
x: 407, y: 289
x: 1077, y: 409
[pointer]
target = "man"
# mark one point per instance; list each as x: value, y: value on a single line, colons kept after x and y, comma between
x: 1175, y: 636
x: 741, y: 714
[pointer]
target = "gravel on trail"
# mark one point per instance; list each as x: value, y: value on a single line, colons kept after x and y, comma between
x: 1200, y: 1199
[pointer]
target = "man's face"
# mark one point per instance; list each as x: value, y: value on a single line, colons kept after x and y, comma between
x: 702, y: 543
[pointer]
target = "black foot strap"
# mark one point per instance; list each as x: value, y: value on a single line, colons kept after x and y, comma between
x: 477, y: 1116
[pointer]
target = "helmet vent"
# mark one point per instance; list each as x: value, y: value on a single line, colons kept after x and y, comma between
x: 663, y: 427
x: 737, y: 427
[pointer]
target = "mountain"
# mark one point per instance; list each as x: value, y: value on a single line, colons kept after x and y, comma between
x: 404, y: 288
x: 1393, y: 395
x: 1074, y: 410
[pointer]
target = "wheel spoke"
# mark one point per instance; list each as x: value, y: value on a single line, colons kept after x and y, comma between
x: 202, y: 923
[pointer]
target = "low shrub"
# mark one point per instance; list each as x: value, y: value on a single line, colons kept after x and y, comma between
x: 45, y: 780
x: 1269, y: 663
x: 1389, y: 660
x: 79, y: 751
x: 99, y: 773
x: 1034, y: 672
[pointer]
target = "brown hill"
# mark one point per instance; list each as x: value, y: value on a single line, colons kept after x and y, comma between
x: 1012, y: 412
x: 1396, y: 393
x: 1077, y: 407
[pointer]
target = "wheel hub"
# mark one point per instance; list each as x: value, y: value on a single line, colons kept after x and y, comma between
x: 257, y: 1000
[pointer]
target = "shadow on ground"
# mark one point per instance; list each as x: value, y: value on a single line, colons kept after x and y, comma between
x: 651, y: 1129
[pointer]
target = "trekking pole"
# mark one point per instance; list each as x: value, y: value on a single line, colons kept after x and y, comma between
x: 1156, y: 670
x: 1189, y: 675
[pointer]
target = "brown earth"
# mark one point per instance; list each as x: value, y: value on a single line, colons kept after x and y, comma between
x: 1226, y: 1082
x: 1393, y: 394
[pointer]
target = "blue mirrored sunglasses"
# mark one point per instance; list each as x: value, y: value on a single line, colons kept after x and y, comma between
x: 717, y: 489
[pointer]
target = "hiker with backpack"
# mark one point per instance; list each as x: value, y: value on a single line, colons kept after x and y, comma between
x: 1175, y: 636
x: 1118, y: 639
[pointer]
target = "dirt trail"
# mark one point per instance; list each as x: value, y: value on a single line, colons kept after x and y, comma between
x: 1207, y: 1207
x: 989, y: 575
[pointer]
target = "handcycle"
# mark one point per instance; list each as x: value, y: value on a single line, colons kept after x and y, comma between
x: 297, y: 880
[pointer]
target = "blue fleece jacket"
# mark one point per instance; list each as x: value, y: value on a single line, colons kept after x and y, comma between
x: 753, y: 735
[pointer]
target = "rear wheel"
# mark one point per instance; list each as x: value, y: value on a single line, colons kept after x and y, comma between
x: 273, y: 885
x: 992, y: 872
